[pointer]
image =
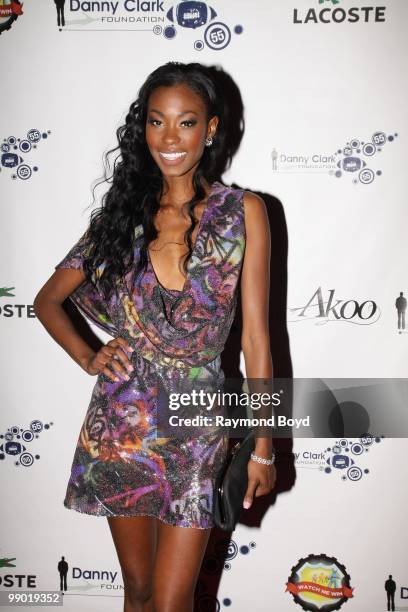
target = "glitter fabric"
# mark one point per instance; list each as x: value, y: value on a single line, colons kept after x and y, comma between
x: 120, y: 466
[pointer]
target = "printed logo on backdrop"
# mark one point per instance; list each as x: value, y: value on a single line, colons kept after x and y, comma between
x: 358, y: 159
x: 90, y: 579
x: 197, y: 22
x: 15, y: 581
x: 329, y: 11
x: 10, y: 10
x: 332, y: 309
x: 346, y: 458
x: 21, y: 311
x: 16, y: 442
x: 225, y: 551
x: 14, y: 153
x: 401, y: 307
x: 390, y: 587
x: 319, y: 582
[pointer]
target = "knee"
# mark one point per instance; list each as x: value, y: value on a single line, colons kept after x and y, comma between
x: 137, y: 588
x: 174, y: 602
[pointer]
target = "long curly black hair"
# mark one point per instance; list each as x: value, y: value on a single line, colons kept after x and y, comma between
x: 137, y: 182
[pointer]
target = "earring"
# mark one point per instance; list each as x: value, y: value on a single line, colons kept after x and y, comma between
x: 208, y: 141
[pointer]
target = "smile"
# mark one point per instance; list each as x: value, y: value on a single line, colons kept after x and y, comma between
x: 172, y: 156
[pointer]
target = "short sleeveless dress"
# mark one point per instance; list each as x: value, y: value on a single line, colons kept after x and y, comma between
x: 120, y: 467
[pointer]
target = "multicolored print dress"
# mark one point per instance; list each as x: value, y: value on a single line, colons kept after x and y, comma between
x: 120, y: 466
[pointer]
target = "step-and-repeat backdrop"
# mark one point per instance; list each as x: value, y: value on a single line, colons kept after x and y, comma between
x: 324, y: 89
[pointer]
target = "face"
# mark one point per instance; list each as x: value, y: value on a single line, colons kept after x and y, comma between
x: 176, y: 129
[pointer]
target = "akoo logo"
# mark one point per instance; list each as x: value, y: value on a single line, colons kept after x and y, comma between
x: 9, y: 12
x: 350, y: 311
x: 319, y: 582
x: 329, y: 12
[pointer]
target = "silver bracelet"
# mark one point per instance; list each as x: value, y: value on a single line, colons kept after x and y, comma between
x: 262, y: 459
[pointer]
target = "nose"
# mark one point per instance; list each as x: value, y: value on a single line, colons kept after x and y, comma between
x: 170, y: 135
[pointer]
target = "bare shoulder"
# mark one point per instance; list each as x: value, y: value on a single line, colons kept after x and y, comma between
x: 255, y: 210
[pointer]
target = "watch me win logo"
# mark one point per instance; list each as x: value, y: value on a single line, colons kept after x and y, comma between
x: 328, y: 11
x: 10, y: 10
x: 319, y: 582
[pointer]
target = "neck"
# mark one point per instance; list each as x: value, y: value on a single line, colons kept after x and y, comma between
x: 177, y: 190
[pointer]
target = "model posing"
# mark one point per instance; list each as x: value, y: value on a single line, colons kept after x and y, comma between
x: 158, y: 269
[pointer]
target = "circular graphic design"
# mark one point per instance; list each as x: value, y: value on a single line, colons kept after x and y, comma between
x: 354, y: 473
x: 369, y: 149
x: 217, y: 36
x: 24, y: 172
x: 379, y: 139
x: 366, y: 176
x: 319, y: 583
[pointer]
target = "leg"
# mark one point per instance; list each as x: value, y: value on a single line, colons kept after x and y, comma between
x: 180, y: 552
x: 135, y: 540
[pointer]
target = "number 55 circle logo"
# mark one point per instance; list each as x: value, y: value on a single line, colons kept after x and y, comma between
x: 217, y: 36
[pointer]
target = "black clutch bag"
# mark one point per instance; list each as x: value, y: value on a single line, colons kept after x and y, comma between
x: 231, y: 484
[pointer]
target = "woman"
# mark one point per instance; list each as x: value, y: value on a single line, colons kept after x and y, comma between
x: 169, y: 323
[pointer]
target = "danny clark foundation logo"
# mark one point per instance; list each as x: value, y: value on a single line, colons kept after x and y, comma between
x: 198, y: 22
x: 334, y: 11
x: 346, y: 458
x: 319, y: 582
x: 324, y: 307
x: 357, y: 159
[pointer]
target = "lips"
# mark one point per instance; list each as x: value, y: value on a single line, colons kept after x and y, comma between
x: 172, y: 155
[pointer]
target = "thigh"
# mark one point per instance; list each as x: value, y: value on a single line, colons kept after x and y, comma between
x: 180, y: 551
x: 135, y: 539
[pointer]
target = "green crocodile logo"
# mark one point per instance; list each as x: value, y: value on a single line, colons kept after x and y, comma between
x: 5, y: 292
x: 4, y: 562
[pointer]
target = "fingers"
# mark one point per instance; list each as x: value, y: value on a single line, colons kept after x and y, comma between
x: 249, y: 495
x: 260, y: 484
x: 112, y: 359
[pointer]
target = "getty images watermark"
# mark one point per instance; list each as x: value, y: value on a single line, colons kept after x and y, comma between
x: 211, y: 402
x: 284, y: 407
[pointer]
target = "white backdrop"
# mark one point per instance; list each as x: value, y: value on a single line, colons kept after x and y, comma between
x: 309, y: 89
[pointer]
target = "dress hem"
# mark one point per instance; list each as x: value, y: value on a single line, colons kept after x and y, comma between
x: 133, y: 515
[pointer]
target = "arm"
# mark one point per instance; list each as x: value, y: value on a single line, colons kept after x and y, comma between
x: 50, y: 312
x: 48, y: 309
x: 255, y: 342
x: 255, y: 287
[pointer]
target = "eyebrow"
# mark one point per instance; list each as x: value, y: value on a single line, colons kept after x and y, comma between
x: 154, y: 110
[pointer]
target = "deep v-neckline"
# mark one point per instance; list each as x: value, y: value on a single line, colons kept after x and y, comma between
x: 179, y: 292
